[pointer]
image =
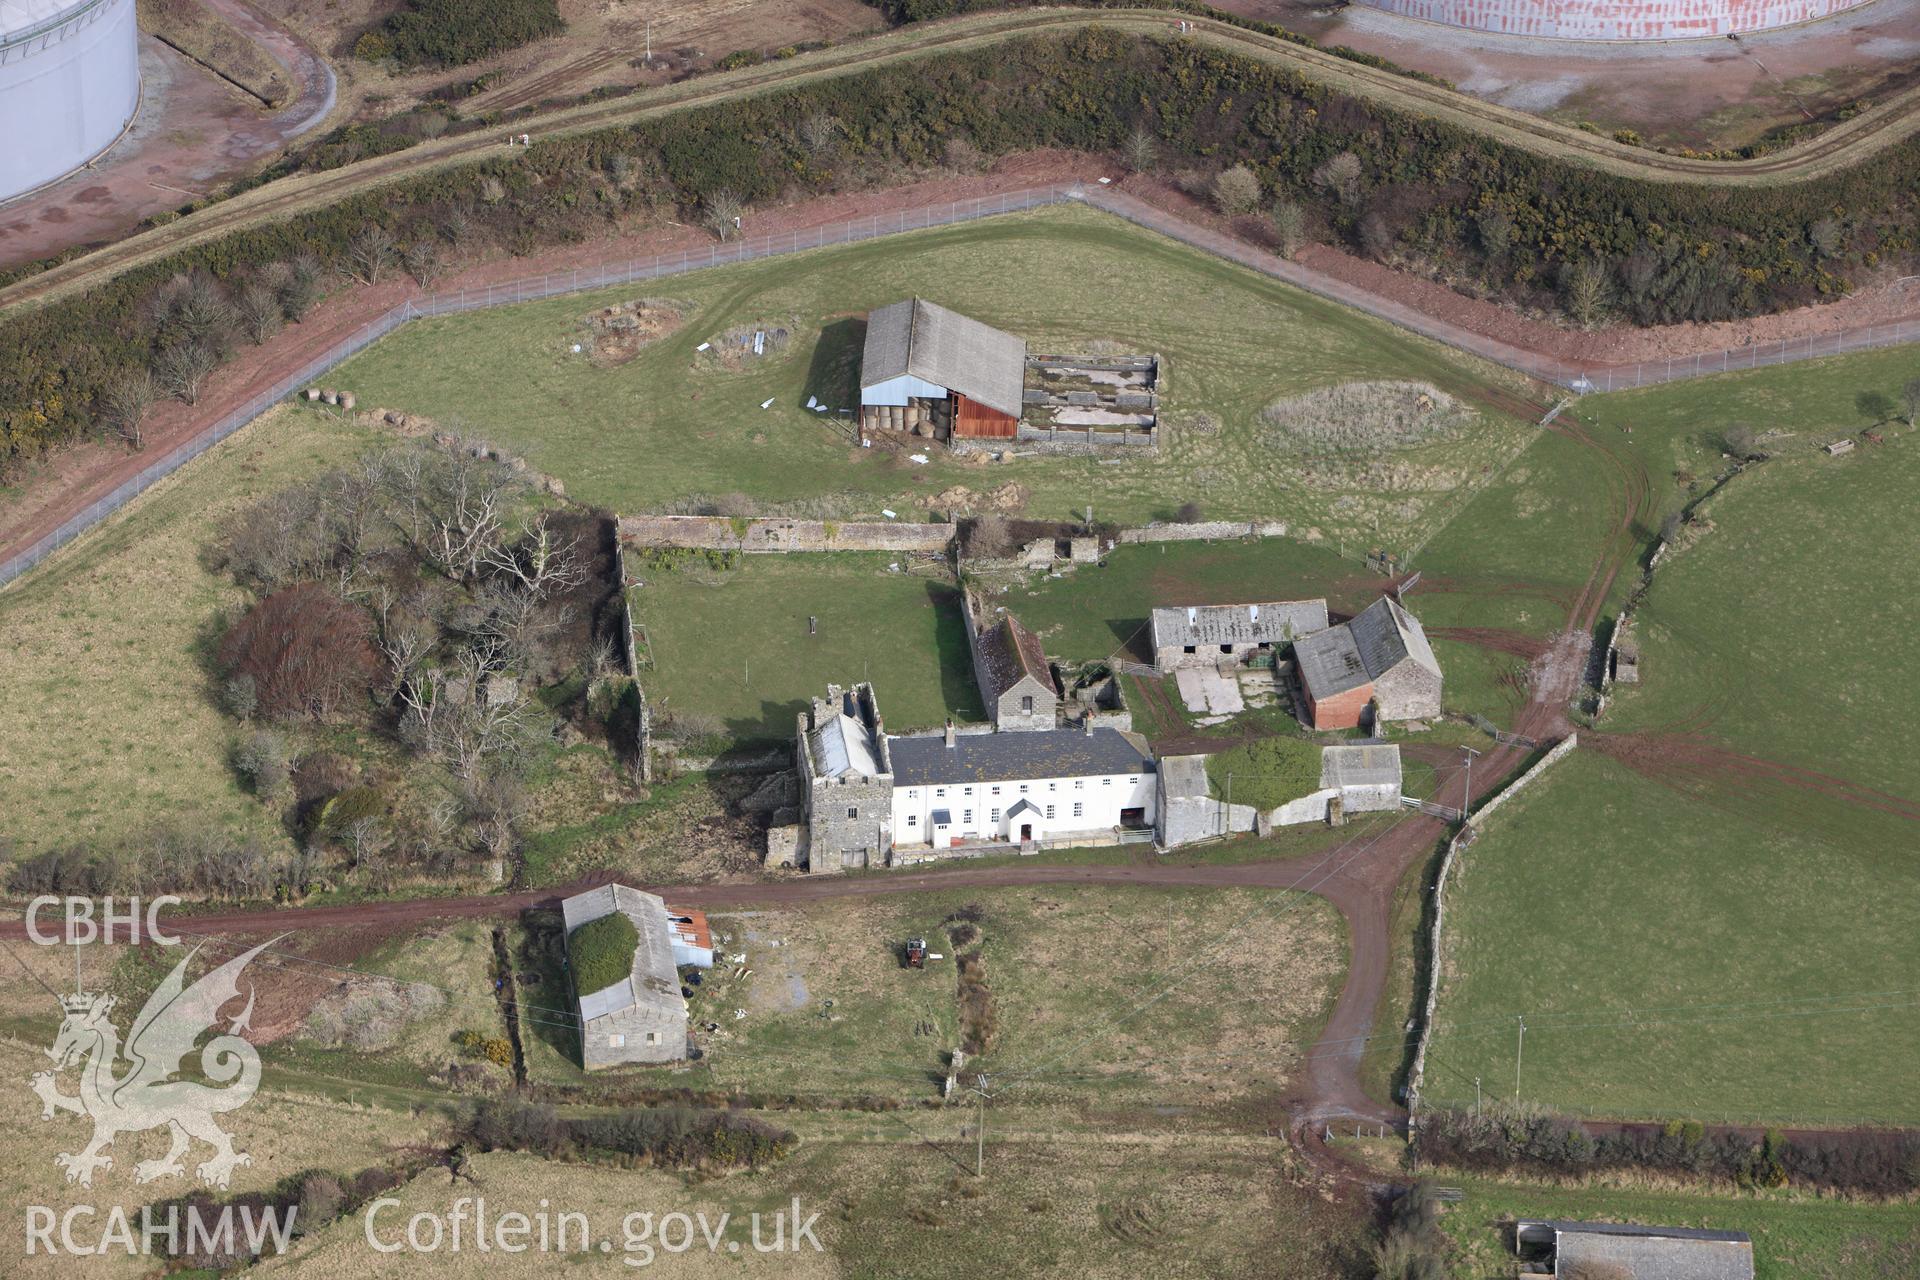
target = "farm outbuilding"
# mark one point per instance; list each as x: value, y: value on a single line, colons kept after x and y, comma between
x: 1627, y: 1251
x: 1380, y: 657
x: 938, y: 373
x: 1009, y: 665
x: 643, y: 1017
x: 1205, y: 635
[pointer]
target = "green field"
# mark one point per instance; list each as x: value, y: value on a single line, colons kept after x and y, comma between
x: 670, y: 423
x: 107, y: 721
x: 1732, y: 846
x: 734, y: 643
x: 1794, y: 1237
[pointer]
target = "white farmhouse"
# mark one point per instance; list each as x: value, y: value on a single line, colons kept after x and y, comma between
x: 1044, y: 787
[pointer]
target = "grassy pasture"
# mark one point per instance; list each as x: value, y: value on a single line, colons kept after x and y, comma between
x: 671, y: 422
x: 733, y: 643
x: 1064, y: 965
x: 107, y: 720
x: 1794, y: 1237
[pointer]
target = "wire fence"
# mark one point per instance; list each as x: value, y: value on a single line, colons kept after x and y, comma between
x: 852, y: 231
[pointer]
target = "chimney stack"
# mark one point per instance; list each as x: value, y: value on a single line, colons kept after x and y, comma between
x: 949, y: 733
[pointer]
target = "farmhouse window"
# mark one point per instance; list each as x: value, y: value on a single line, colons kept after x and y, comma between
x: 995, y: 817
x: 1026, y: 704
x: 1186, y: 648
x: 616, y: 1041
x: 1226, y: 648
x: 913, y: 819
x: 1079, y: 783
x: 1049, y: 812
x: 1133, y: 782
x: 1053, y: 786
x: 1079, y: 810
x: 1106, y: 782
x: 853, y: 811
x: 940, y: 791
x: 966, y: 817
x: 996, y: 791
x: 653, y: 1037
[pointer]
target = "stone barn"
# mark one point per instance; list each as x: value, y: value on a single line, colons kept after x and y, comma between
x: 1628, y: 1251
x: 940, y: 374
x: 1205, y: 635
x: 643, y: 1017
x: 1380, y: 657
x: 1016, y: 684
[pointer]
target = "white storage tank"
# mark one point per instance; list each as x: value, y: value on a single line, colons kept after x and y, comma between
x: 1617, y: 19
x: 69, y: 83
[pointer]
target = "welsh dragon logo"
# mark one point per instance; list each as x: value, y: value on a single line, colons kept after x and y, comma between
x: 147, y: 1095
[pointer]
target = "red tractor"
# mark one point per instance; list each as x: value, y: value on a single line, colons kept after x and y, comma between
x: 916, y: 953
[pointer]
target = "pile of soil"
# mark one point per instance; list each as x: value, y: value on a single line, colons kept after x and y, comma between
x: 620, y: 333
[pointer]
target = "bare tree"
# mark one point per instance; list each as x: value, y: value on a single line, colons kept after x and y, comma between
x: 1828, y: 237
x: 720, y: 212
x: 541, y: 562
x: 1289, y: 227
x: 462, y: 505
x: 258, y: 307
x: 1341, y: 177
x: 125, y: 403
x: 371, y: 251
x: 1237, y: 191
x: 819, y: 132
x: 1586, y: 288
x: 301, y: 289
x: 1140, y: 150
x: 470, y: 733
x: 423, y: 262
x: 183, y: 368
x: 456, y: 221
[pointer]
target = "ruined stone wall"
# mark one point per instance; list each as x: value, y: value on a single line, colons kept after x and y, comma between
x: 1206, y: 530
x: 776, y: 535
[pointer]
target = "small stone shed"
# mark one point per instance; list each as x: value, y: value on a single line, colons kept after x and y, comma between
x: 643, y: 1017
x: 1205, y: 635
x: 1625, y: 1251
x: 926, y: 366
x: 1367, y: 779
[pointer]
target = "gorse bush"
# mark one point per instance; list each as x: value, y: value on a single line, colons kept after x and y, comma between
x: 450, y: 33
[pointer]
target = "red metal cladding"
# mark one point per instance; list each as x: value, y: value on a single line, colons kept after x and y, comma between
x: 1617, y: 19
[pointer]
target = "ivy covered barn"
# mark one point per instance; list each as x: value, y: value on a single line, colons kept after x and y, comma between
x: 938, y: 374
x: 621, y: 951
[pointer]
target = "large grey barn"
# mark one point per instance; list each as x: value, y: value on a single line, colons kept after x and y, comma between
x: 643, y: 1017
x: 933, y: 370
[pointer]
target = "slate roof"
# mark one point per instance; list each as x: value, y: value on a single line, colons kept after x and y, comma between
x: 1624, y: 1251
x: 1369, y: 766
x: 1362, y: 649
x: 654, y: 983
x: 947, y: 349
x: 1009, y: 757
x: 1330, y: 662
x: 1387, y: 635
x: 1272, y: 622
x: 843, y: 748
x: 1008, y: 653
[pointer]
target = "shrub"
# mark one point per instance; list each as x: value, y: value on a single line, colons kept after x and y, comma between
x: 1237, y: 191
x: 450, y: 33
x: 309, y: 653
x: 1266, y: 773
x: 602, y: 952
x: 261, y: 758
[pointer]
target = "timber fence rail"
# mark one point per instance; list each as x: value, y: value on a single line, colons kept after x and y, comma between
x: 853, y: 231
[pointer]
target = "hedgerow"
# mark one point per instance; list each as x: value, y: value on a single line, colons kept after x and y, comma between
x: 1531, y: 230
x: 451, y: 33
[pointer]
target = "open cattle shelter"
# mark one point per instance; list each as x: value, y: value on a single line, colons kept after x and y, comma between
x: 937, y: 373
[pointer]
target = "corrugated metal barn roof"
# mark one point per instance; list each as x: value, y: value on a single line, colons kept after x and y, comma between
x: 943, y: 347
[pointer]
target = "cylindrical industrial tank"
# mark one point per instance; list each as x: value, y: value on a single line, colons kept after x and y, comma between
x: 1617, y: 19
x: 69, y: 83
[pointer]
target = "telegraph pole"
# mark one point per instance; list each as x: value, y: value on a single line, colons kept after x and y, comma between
x: 1466, y: 801
x: 1476, y: 1097
x: 980, y: 1128
x: 1518, y: 1045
